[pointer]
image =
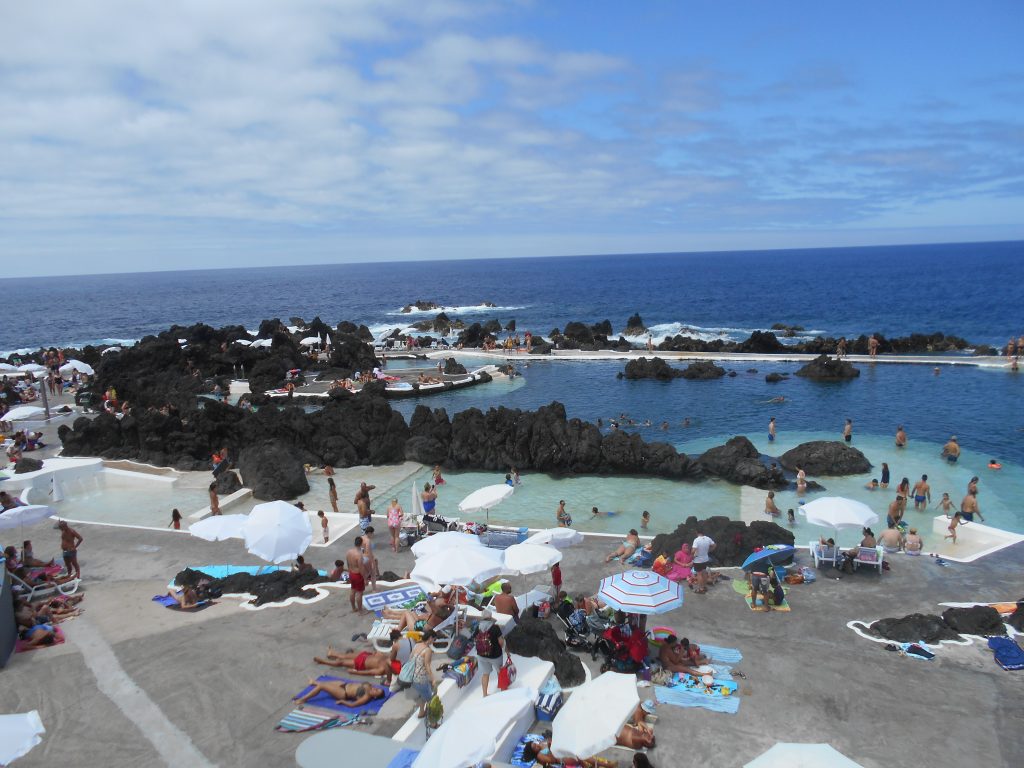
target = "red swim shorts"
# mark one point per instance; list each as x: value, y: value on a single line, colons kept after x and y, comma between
x: 357, y: 582
x: 360, y: 661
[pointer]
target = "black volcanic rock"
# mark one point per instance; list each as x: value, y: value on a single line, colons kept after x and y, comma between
x: 734, y: 539
x: 774, y: 378
x: 540, y: 348
x: 739, y: 462
x: 761, y: 342
x: 635, y: 326
x: 453, y: 367
x: 272, y: 470
x: 228, y: 483
x: 976, y: 620
x: 651, y: 368
x: 703, y: 370
x: 826, y: 457
x: 825, y: 368
x: 27, y: 464
x: 915, y: 628
x: 538, y: 639
x: 350, y: 354
x: 273, y: 587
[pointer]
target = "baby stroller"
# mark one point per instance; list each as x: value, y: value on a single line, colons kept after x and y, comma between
x: 621, y: 653
x: 578, y: 634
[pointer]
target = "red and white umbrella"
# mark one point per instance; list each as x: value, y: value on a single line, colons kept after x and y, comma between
x: 643, y: 592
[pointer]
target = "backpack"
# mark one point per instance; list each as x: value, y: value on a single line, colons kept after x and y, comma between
x: 459, y: 647
x: 484, y: 647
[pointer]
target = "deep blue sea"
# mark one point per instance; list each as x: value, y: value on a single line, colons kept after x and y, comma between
x: 970, y: 290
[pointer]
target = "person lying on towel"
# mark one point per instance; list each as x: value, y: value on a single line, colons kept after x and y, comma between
x: 187, y: 598
x: 368, y: 663
x: 346, y: 694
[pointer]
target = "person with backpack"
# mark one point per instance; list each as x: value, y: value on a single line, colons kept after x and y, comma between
x: 490, y: 648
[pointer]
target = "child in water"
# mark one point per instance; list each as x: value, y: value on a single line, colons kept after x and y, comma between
x: 645, y: 518
x: 791, y: 517
x: 438, y: 480
x: 946, y: 505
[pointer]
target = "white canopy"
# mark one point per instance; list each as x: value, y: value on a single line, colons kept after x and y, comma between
x: 470, y: 734
x: 110, y: 349
x: 310, y: 341
x: 263, y: 343
x: 243, y: 342
x: 77, y: 365
x: 445, y: 542
x: 485, y: 498
x: 838, y: 512
x: 8, y: 368
x: 29, y: 514
x: 593, y: 716
x: 471, y: 565
x: 18, y: 734
x: 277, y: 531
x: 219, y: 527
x: 32, y: 368
x: 556, y: 537
x: 784, y: 755
x: 23, y: 412
x: 530, y: 558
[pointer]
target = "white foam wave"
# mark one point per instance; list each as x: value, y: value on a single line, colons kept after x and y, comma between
x: 105, y: 342
x: 461, y: 310
x: 662, y: 331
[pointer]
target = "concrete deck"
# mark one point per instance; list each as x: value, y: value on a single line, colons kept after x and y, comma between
x: 137, y: 684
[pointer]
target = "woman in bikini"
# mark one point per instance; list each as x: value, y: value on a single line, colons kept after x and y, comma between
x: 346, y: 694
x: 332, y: 493
x: 627, y: 548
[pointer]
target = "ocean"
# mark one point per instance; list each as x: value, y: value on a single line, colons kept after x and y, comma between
x: 969, y: 290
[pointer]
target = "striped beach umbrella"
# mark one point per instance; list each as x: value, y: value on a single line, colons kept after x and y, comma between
x: 643, y: 592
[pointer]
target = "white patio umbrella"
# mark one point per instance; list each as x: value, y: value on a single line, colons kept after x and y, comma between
x: 838, y: 512
x: 263, y: 343
x: 243, y: 342
x: 310, y: 341
x: 486, y: 498
x: 29, y: 514
x: 446, y: 541
x: 32, y: 368
x: 23, y: 412
x: 8, y: 368
x: 77, y: 365
x: 277, y: 531
x: 593, y: 716
x: 528, y: 558
x: 219, y: 527
x: 18, y: 734
x: 471, y: 565
x: 471, y: 733
x: 643, y: 592
x: 556, y: 537
x: 785, y: 755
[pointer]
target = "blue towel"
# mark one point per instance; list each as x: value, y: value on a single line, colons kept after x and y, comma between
x: 724, y: 655
x: 169, y: 602
x: 404, y: 759
x: 324, y: 701
x: 1008, y: 654
x: 392, y: 598
x: 165, y: 600
x: 681, y: 697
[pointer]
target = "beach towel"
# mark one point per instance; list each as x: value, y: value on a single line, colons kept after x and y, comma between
x: 683, y: 696
x: 20, y: 646
x: 401, y: 597
x: 784, y: 606
x: 169, y: 602
x: 517, y: 753
x: 912, y: 650
x: 1008, y: 654
x: 324, y: 701
x: 722, y: 655
x: 404, y: 759
x: 307, y: 718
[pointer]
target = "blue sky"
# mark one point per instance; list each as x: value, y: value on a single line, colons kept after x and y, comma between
x: 144, y: 135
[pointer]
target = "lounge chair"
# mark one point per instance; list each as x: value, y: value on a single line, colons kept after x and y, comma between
x: 872, y: 556
x: 824, y: 554
x: 45, y: 589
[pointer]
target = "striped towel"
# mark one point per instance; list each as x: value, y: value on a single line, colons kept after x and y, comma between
x: 681, y: 697
x: 724, y: 655
x: 308, y: 719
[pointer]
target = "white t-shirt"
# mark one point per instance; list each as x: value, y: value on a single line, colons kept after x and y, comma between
x: 701, y: 547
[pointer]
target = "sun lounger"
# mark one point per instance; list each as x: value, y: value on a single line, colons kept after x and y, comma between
x: 870, y: 556
x: 45, y: 589
x: 824, y: 554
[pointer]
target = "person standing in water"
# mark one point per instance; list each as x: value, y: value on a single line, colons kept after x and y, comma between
x: 885, y: 476
x: 922, y: 494
x: 901, y: 437
x: 771, y: 430
x: 214, y: 500
x: 951, y: 450
x: 848, y: 431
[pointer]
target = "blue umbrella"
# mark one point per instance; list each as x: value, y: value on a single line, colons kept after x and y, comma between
x: 773, y: 553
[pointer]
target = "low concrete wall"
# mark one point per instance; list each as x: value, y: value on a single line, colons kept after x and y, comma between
x: 8, y: 628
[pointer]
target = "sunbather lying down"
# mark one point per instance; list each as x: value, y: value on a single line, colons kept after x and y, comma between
x: 626, y: 549
x: 366, y: 663
x: 540, y: 751
x: 418, y: 621
x: 345, y: 694
x: 187, y: 598
x: 636, y: 733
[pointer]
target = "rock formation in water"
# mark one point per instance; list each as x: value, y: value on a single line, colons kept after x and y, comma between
x: 739, y: 462
x: 734, y: 539
x: 651, y: 368
x: 826, y: 457
x: 825, y: 368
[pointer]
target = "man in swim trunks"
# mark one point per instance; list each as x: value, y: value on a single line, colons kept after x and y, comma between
x: 368, y: 663
x: 951, y: 450
x: 901, y: 437
x: 848, y: 431
x: 346, y: 694
x: 891, y: 539
x: 895, y: 511
x: 563, y: 517
x: 70, y: 539
x: 356, y: 574
x: 771, y: 430
x: 872, y: 345
x: 969, y: 508
x: 362, y: 502
x: 922, y: 494
x: 702, y: 548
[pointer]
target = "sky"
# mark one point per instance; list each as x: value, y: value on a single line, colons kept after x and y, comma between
x: 142, y: 135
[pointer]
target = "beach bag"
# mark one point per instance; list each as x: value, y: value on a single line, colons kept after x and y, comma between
x: 661, y: 565
x: 407, y: 674
x: 808, y: 574
x: 460, y: 647
x: 507, y: 674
